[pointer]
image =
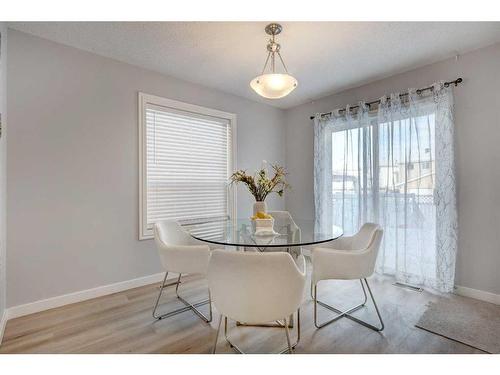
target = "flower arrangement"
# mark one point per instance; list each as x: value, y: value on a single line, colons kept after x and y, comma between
x: 260, y: 185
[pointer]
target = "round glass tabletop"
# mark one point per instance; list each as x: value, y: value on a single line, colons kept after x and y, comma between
x: 241, y: 232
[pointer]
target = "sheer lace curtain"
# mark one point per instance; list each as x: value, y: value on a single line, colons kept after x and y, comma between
x: 394, y: 167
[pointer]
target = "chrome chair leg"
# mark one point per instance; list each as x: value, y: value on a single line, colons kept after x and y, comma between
x: 217, y: 335
x: 290, y: 347
x: 382, y: 326
x: 233, y: 346
x: 347, y: 313
x: 287, y: 337
x: 188, y: 306
x: 193, y: 307
x: 298, y: 334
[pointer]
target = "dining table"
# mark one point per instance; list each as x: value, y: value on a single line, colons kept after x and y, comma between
x: 288, y: 235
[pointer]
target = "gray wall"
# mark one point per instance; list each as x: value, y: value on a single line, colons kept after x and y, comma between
x: 72, y: 162
x: 3, y: 163
x: 73, y: 165
x: 477, y: 120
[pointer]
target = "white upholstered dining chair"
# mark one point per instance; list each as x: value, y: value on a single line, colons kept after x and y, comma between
x: 255, y: 288
x: 347, y: 258
x: 281, y: 220
x: 180, y: 253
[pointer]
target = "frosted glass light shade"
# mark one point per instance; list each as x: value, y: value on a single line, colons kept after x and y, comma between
x: 274, y: 86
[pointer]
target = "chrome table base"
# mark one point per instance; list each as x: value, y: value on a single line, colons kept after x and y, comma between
x: 347, y: 313
x: 188, y: 306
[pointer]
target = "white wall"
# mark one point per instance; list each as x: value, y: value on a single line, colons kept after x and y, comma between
x: 73, y: 165
x: 477, y: 120
x: 3, y: 162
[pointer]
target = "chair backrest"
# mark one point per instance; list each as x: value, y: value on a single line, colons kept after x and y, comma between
x: 179, y: 252
x: 354, y: 259
x: 255, y: 287
x: 365, y: 236
x: 170, y: 233
x: 368, y: 240
x: 373, y: 248
x: 282, y: 218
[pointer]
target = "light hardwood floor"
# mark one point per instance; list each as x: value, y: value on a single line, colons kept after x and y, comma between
x: 122, y: 323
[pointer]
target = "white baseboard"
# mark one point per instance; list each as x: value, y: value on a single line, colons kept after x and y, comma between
x: 3, y: 323
x: 66, y: 299
x: 477, y: 294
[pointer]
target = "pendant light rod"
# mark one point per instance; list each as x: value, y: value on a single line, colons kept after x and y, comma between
x: 265, y: 64
x: 284, y: 66
x: 273, y: 62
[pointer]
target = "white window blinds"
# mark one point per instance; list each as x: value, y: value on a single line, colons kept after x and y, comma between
x: 188, y: 161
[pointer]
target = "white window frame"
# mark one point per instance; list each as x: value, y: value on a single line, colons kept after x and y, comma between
x: 145, y: 99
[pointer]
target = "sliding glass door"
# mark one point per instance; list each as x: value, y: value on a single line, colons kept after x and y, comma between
x: 384, y: 167
x: 385, y: 173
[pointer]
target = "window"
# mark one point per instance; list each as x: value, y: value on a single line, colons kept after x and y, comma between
x: 186, y: 158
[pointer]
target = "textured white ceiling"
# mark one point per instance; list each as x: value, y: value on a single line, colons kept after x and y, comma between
x: 325, y: 57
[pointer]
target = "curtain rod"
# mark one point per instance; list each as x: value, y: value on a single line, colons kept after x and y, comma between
x: 419, y: 91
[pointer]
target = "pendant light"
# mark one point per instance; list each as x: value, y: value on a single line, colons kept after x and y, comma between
x: 273, y: 85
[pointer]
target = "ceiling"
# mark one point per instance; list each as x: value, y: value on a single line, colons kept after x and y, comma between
x: 325, y: 57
